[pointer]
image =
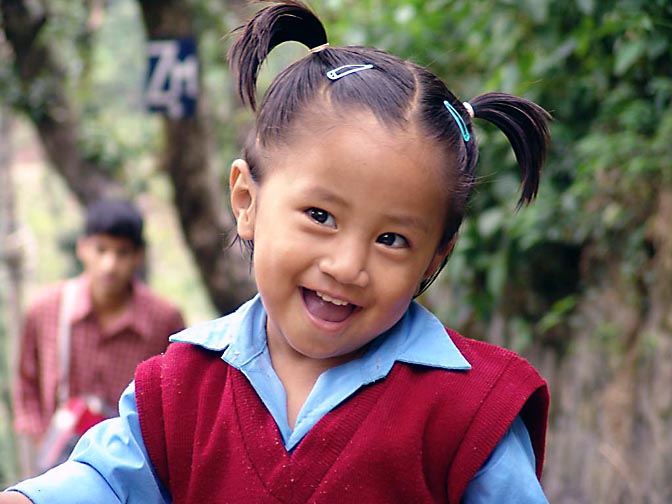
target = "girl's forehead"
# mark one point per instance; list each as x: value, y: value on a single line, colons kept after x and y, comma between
x: 360, y: 151
x: 320, y: 124
x: 352, y: 133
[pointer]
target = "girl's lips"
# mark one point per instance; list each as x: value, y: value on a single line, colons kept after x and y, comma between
x: 324, y: 310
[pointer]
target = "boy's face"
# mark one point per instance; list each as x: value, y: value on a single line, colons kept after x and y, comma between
x: 346, y: 223
x: 110, y: 262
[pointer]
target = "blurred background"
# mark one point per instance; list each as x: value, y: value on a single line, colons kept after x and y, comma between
x: 132, y: 97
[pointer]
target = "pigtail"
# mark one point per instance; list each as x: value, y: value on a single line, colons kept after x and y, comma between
x: 526, y: 125
x: 270, y: 27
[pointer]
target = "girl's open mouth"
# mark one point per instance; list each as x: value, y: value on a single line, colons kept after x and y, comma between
x: 324, y: 307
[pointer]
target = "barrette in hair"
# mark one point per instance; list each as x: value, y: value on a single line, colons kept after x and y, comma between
x: 344, y: 70
x: 458, y: 119
x: 319, y: 48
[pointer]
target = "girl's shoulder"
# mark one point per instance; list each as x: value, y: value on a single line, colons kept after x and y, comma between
x: 486, y: 353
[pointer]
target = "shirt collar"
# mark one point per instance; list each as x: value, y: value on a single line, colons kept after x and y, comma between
x: 418, y: 338
x: 240, y: 335
x: 83, y: 306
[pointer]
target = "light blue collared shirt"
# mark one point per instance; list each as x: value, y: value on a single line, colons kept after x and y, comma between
x: 110, y: 463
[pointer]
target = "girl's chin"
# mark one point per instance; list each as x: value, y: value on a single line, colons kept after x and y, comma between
x: 332, y: 358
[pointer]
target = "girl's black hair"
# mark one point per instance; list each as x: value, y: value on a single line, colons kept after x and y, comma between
x: 398, y: 92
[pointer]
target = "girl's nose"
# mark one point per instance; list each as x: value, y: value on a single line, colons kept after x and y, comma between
x: 346, y: 262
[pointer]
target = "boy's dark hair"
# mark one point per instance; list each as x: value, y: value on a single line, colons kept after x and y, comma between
x: 114, y: 217
x: 399, y: 93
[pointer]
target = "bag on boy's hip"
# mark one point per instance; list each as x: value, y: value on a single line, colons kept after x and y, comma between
x: 70, y: 421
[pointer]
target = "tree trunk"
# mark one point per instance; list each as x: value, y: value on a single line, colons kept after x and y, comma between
x: 206, y: 222
x: 46, y: 103
x: 11, y: 255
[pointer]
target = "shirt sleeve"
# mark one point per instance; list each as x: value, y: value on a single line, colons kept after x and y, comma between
x: 509, y: 473
x: 109, y: 465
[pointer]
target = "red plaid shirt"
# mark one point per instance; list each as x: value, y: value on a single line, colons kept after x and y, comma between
x: 101, y: 362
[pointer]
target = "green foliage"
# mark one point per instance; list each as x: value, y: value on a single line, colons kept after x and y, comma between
x: 116, y: 132
x: 102, y: 71
x: 604, y: 70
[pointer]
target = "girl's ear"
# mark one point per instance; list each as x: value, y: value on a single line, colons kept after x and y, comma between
x: 243, y: 198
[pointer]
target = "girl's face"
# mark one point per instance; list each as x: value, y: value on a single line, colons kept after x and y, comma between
x: 346, y: 223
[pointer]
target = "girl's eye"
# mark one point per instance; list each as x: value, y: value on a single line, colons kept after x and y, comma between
x: 393, y: 240
x: 321, y: 216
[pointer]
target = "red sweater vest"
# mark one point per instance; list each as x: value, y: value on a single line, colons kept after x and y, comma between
x: 419, y: 435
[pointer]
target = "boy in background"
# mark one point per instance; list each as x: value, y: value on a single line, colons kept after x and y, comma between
x: 113, y: 322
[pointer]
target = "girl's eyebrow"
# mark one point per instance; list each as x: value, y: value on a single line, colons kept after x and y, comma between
x: 324, y: 194
x: 409, y: 221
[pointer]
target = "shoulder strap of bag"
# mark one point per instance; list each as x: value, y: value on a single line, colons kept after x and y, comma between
x: 64, y: 335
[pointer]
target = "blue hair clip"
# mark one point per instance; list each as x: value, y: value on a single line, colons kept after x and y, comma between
x: 458, y: 119
x: 344, y: 70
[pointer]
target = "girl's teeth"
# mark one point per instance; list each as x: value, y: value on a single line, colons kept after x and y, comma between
x: 337, y: 302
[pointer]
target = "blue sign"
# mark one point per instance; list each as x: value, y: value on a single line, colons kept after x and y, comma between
x: 172, y: 77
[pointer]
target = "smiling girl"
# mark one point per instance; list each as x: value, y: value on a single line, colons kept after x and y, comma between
x: 332, y: 384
